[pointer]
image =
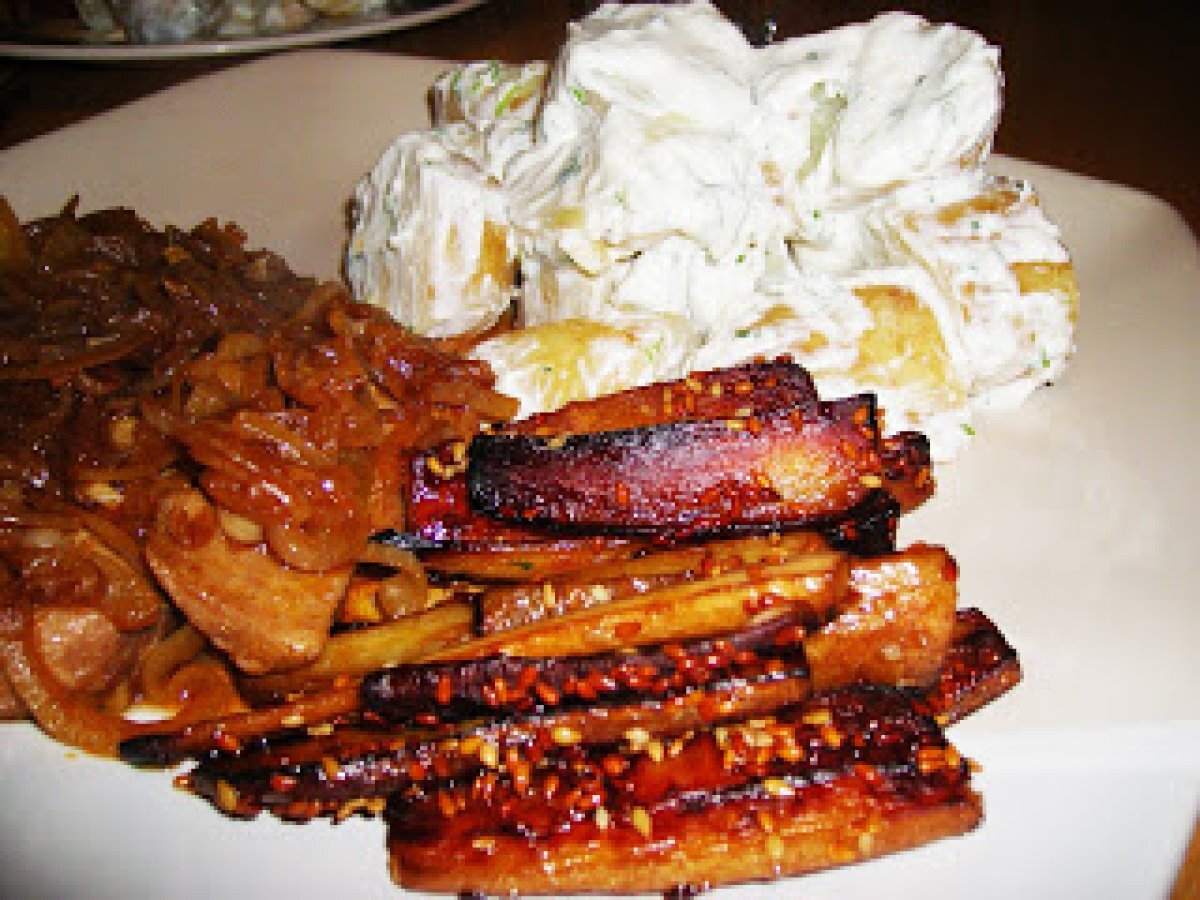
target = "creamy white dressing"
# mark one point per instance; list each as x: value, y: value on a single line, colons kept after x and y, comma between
x: 701, y: 202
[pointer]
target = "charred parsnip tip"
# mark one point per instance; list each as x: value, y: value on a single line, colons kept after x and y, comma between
x: 980, y: 666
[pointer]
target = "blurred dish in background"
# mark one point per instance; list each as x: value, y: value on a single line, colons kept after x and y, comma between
x: 178, y: 21
x: 190, y: 29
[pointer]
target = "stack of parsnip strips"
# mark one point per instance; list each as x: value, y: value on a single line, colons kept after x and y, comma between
x: 698, y: 656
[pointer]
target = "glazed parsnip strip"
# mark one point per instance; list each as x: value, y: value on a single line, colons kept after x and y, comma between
x: 355, y: 653
x: 834, y: 779
x: 512, y: 605
x: 814, y: 583
x: 897, y: 624
x: 529, y: 559
x: 721, y: 553
x: 150, y: 748
x: 716, y: 394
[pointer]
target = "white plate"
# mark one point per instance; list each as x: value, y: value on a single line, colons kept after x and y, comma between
x: 323, y: 31
x: 1073, y: 520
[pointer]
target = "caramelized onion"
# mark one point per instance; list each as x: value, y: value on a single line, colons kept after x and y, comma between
x: 292, y: 408
x: 62, y: 362
x: 166, y: 658
x: 129, y: 599
x: 64, y: 715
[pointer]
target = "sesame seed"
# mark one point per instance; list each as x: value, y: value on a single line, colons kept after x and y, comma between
x: 484, y: 845
x: 519, y: 770
x: 756, y: 737
x: 489, y: 755
x: 122, y: 432
x: 640, y: 820
x: 775, y: 846
x: 104, y: 494
x: 819, y: 716
x: 565, y: 735
x: 777, y: 787
x: 637, y: 737
x: 470, y: 745
x: 228, y: 742
x: 349, y: 808
x: 227, y: 796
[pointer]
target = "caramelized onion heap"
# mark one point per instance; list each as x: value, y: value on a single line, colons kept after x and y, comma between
x: 193, y: 433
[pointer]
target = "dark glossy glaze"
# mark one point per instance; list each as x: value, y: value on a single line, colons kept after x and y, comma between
x: 672, y: 461
x: 502, y: 685
x: 871, y: 743
x: 800, y: 464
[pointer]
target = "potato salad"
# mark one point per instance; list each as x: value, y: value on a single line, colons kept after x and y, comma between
x: 665, y: 197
